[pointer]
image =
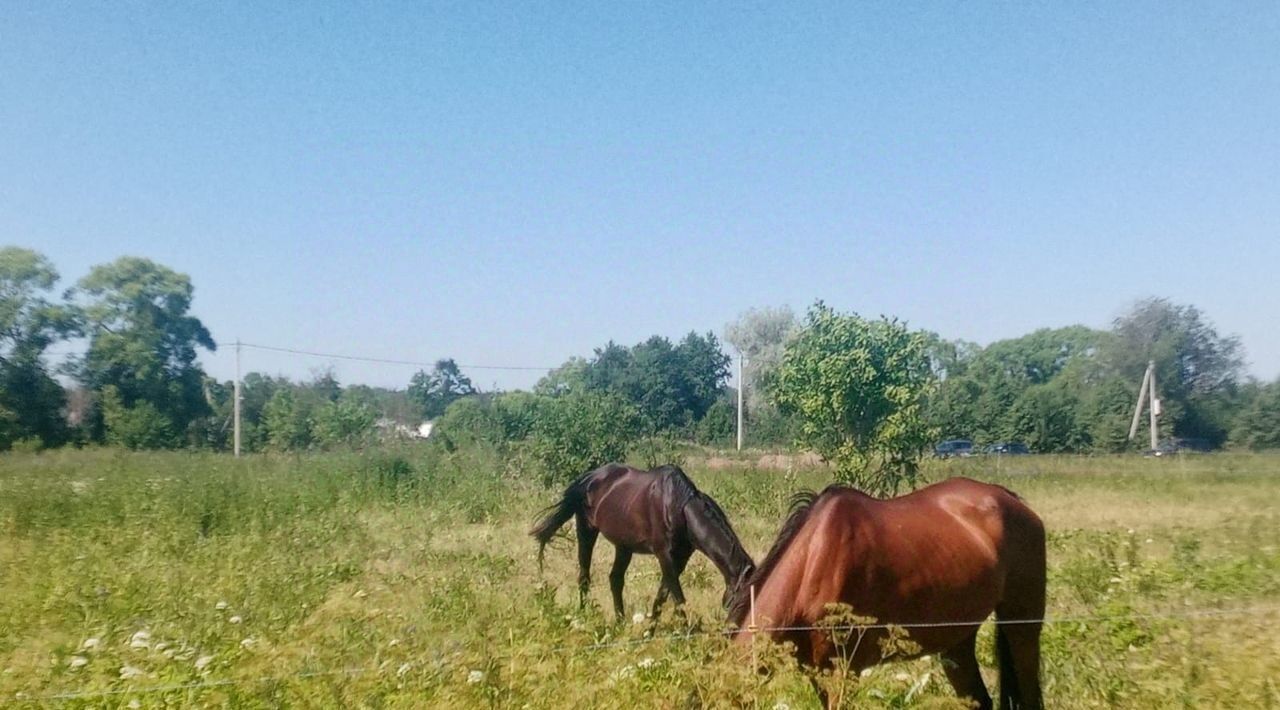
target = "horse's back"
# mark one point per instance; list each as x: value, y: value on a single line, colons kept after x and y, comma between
x: 940, y: 554
x: 625, y: 504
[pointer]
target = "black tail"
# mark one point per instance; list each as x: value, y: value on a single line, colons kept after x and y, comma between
x: 573, y: 501
x: 1009, y: 695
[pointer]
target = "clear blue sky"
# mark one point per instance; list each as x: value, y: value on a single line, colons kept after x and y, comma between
x: 515, y: 183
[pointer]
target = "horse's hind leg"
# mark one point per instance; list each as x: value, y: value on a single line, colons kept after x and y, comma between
x: 961, y: 665
x: 1018, y: 651
x: 617, y: 577
x: 586, y: 544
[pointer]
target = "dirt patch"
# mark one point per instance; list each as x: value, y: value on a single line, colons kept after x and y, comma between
x: 785, y: 461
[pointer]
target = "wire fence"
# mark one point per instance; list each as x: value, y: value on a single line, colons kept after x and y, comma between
x: 1188, y: 614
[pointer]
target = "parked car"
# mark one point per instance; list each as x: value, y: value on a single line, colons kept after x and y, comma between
x: 953, y: 447
x: 1180, y: 446
x: 1009, y: 448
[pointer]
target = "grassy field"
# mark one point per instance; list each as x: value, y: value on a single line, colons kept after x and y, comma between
x: 404, y: 578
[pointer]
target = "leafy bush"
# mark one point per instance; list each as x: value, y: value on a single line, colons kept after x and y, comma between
x: 343, y: 423
x: 141, y: 426
x: 497, y: 421
x: 720, y: 426
x: 580, y: 431
x: 858, y: 388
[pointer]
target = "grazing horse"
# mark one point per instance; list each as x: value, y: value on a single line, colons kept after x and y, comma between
x: 936, y: 562
x: 658, y: 512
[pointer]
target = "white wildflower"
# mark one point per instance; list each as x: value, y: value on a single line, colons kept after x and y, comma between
x: 781, y: 706
x: 235, y: 619
x: 142, y: 639
x: 202, y: 662
x: 638, y: 617
x: 865, y: 672
x: 902, y: 676
x: 577, y: 624
x: 90, y: 644
x: 160, y: 646
x: 128, y: 672
x: 360, y: 594
x: 1114, y: 580
x: 134, y: 704
x: 404, y: 668
x: 77, y: 662
x: 1130, y: 531
x: 1149, y: 541
x: 393, y: 642
x: 475, y: 677
x: 645, y: 662
x: 220, y: 606
x: 248, y: 642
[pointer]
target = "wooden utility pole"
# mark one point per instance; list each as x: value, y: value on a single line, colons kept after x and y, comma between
x: 1155, y: 406
x: 741, y: 386
x: 236, y: 405
x: 1147, y: 395
x: 1142, y: 398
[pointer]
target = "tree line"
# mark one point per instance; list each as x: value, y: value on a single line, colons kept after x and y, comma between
x: 869, y: 394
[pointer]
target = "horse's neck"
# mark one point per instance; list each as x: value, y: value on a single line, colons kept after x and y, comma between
x: 724, y: 550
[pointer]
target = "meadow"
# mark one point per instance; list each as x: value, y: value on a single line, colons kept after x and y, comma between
x: 403, y: 577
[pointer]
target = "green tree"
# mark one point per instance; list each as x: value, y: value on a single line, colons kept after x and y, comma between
x: 142, y: 343
x: 672, y: 386
x: 1010, y: 390
x: 569, y: 377
x: 858, y: 389
x: 31, y: 401
x: 434, y: 391
x: 1257, y: 426
x: 1197, y: 370
x: 288, y: 421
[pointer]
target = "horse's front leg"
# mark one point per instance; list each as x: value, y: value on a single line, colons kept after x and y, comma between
x: 672, y: 563
x: 617, y: 577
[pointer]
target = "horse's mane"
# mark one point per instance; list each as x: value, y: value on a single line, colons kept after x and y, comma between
x: 685, y: 491
x: 802, y: 504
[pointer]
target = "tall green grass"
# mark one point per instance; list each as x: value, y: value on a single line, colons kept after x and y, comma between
x: 404, y: 578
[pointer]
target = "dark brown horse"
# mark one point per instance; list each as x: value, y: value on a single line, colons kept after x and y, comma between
x: 936, y: 562
x: 658, y: 512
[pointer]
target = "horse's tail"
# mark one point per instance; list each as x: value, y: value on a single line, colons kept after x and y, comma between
x: 572, y: 502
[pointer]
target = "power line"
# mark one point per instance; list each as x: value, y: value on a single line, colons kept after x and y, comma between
x: 385, y: 361
x: 338, y: 356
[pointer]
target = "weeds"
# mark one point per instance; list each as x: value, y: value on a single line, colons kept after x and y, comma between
x: 411, y: 564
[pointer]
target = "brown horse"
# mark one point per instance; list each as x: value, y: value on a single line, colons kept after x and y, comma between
x: 658, y: 512
x: 936, y: 562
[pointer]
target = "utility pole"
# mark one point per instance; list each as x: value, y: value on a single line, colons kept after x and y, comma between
x: 1142, y: 397
x: 1147, y: 395
x: 1155, y: 406
x: 236, y: 406
x: 741, y: 386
